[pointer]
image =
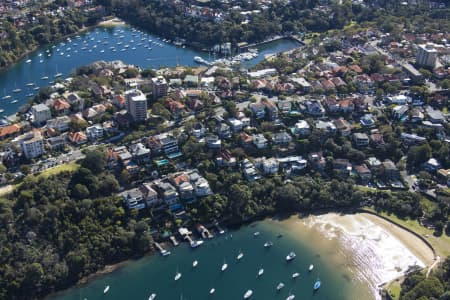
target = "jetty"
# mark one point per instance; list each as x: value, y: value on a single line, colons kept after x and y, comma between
x: 219, y: 229
x: 204, y: 232
x: 161, y: 250
x: 173, y: 240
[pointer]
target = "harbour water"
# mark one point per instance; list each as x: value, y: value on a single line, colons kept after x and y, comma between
x: 333, y: 264
x: 102, y: 43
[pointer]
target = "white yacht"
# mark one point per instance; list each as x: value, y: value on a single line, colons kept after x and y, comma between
x: 260, y: 272
x: 106, y: 289
x: 311, y: 267
x: 240, y: 255
x: 290, y: 297
x: 224, y: 266
x: 177, y: 276
x: 295, y: 275
x: 212, y: 291
x: 268, y: 244
x: 290, y: 256
x: 194, y: 263
x: 280, y: 286
x: 248, y: 294
x: 152, y: 296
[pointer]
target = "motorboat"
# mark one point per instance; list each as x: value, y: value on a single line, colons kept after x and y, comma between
x: 268, y: 244
x: 212, y: 291
x: 260, y: 272
x: 224, y: 266
x: 14, y: 101
x: 290, y: 256
x: 280, y: 286
x: 256, y: 233
x: 106, y: 289
x: 194, y: 263
x: 240, y: 255
x: 6, y: 97
x: 311, y: 267
x: 295, y: 275
x: 17, y: 90
x: 30, y: 84
x: 177, y: 276
x: 195, y: 244
x: 1, y: 110
x: 290, y: 297
x: 28, y: 61
x: 44, y: 77
x: 248, y: 294
x: 152, y: 296
x: 58, y: 75
x: 317, y: 284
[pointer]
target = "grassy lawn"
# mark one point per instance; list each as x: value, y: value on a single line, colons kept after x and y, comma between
x: 440, y: 244
x: 73, y: 166
x: 394, y: 289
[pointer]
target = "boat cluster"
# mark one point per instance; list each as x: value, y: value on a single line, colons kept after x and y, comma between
x: 234, y: 60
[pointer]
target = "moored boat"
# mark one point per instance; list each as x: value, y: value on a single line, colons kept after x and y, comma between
x: 248, y: 294
x: 295, y: 275
x: 268, y: 244
x: 177, y: 276
x: 212, y: 291
x: 311, y: 267
x: 194, y: 263
x: 240, y: 255
x: 290, y: 297
x: 152, y: 296
x: 106, y: 289
x: 317, y: 284
x: 280, y: 286
x: 291, y: 256
x: 260, y: 271
x: 224, y: 266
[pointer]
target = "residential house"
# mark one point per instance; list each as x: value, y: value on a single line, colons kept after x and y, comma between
x: 317, y: 161
x: 346, y: 106
x: 301, y: 128
x: 56, y: 143
x: 375, y: 166
x: 61, y: 107
x: 376, y: 139
x: 284, y: 106
x: 399, y: 111
x: 119, y: 101
x: 364, y: 83
x: 327, y: 127
x: 213, y: 141
x: 435, y: 116
x: 398, y: 100
x: 367, y: 120
x: 363, y: 173
x: 168, y: 194
x: 443, y: 176
x: 258, y: 109
x: 332, y: 105
x: 281, y: 138
x: 361, y: 139
x: 236, y: 124
x: 9, y: 131
x: 269, y: 166
x: 344, y: 127
x: 223, y: 130
x: 271, y: 108
x: 150, y: 195
x: 175, y: 107
x: 201, y: 186
x: 260, y: 141
x: 140, y: 153
x: 431, y: 165
x: 134, y: 199
x: 391, y: 171
x: 342, y: 167
x: 94, y: 132
x: 60, y: 124
x: 163, y: 142
x: 198, y: 130
x: 77, y: 138
x: 409, y: 139
x: 314, y: 108
x: 249, y: 170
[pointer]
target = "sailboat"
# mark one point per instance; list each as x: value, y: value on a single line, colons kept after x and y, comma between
x: 290, y: 297
x: 280, y: 286
x: 152, y: 296
x: 317, y: 284
x: 240, y: 255
x: 106, y: 289
x: 311, y: 267
x: 6, y: 96
x: 57, y: 74
x: 260, y: 271
x: 212, y: 291
x: 194, y: 263
x: 248, y: 294
x: 177, y: 275
x: 224, y: 266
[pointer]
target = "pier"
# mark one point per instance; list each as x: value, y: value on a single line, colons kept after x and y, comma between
x: 161, y: 250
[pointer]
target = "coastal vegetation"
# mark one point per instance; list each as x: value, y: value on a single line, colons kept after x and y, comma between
x: 417, y: 286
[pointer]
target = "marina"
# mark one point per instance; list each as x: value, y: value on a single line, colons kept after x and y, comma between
x: 147, y: 52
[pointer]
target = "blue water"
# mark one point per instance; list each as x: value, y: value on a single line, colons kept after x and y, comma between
x: 155, y: 274
x: 66, y: 56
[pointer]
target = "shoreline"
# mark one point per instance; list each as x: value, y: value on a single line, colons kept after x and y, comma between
x: 105, y: 23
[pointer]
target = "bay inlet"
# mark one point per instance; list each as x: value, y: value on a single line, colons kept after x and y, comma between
x: 22, y: 80
x: 325, y: 241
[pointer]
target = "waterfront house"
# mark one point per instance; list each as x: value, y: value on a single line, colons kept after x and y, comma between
x: 168, y: 194
x: 364, y: 173
x: 150, y: 195
x: 391, y: 171
x: 133, y: 198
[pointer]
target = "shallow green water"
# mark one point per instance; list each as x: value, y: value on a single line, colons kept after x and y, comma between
x: 138, y: 279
